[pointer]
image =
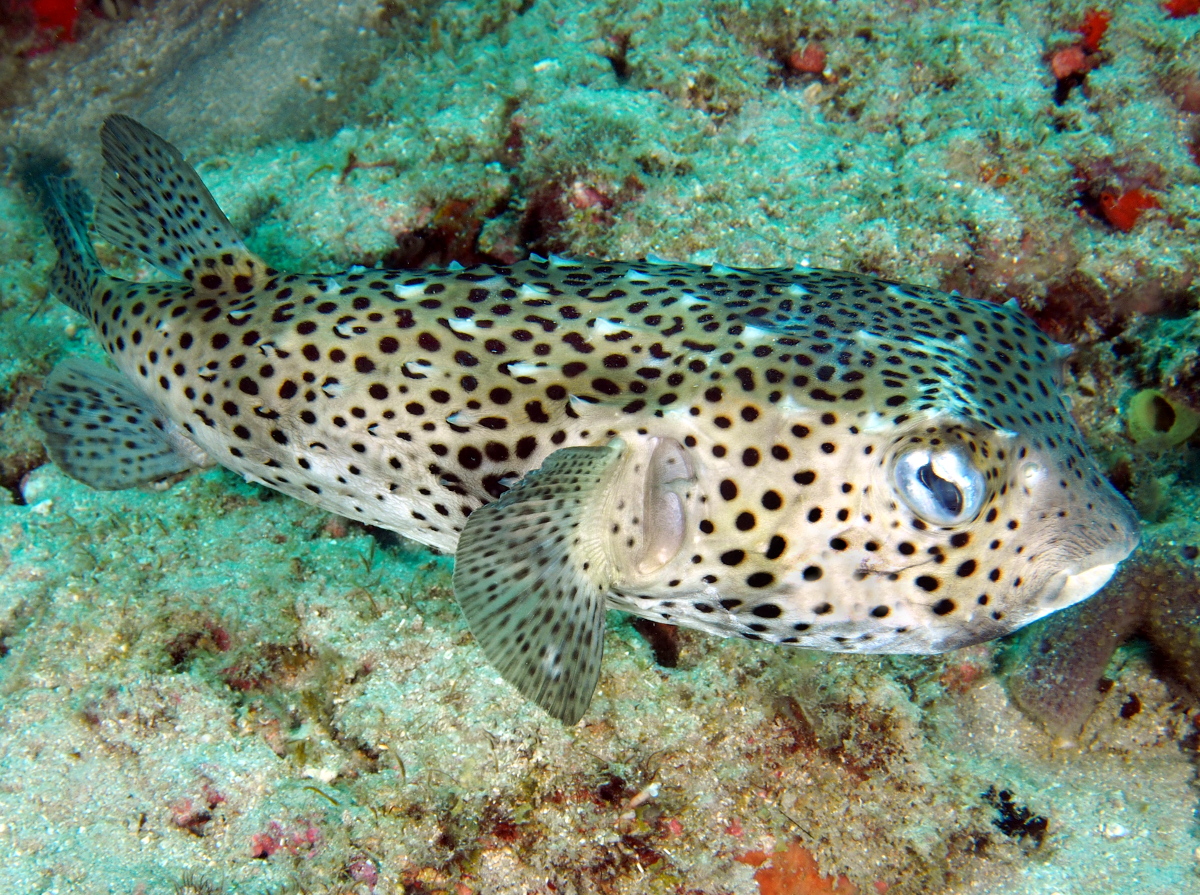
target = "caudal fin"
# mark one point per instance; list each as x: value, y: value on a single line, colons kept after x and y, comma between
x: 156, y: 206
x: 66, y: 210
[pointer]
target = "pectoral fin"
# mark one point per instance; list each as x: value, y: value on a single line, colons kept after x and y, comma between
x: 532, y: 576
x: 102, y: 431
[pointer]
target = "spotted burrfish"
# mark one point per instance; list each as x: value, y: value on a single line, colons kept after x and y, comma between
x: 791, y: 455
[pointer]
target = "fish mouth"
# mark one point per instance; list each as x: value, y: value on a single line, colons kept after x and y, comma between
x: 1083, y: 584
x: 1071, y: 585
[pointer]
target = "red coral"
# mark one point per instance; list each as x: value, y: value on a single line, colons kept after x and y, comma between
x: 1070, y: 61
x: 263, y: 845
x: 794, y: 871
x: 1181, y: 9
x: 1095, y: 24
x: 809, y: 61
x: 1078, y: 59
x: 1124, y: 210
x: 58, y: 16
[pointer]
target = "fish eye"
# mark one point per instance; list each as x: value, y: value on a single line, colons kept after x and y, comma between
x: 941, y: 486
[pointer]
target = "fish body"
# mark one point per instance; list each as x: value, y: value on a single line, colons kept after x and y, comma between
x: 791, y: 455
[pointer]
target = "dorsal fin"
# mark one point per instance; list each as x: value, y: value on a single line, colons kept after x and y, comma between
x: 155, y: 205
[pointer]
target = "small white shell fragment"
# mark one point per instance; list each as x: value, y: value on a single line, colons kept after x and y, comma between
x: 324, y: 775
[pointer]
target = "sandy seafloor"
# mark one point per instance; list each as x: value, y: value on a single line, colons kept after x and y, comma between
x: 217, y: 689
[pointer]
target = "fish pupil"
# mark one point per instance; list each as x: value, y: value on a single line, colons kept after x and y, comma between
x: 944, y: 492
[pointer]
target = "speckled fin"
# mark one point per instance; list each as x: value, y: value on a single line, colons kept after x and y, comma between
x: 66, y: 211
x: 532, y: 577
x: 100, y: 430
x: 155, y: 205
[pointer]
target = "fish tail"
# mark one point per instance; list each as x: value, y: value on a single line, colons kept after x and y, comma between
x: 67, y: 212
x: 155, y: 205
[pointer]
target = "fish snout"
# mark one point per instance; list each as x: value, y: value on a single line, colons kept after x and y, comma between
x: 1091, y: 549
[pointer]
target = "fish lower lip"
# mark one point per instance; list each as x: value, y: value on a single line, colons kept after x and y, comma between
x: 1083, y: 584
